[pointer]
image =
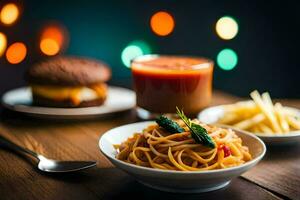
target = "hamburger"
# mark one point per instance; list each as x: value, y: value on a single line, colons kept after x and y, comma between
x: 65, y: 81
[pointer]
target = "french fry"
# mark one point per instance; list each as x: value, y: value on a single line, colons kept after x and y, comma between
x: 254, y: 129
x: 260, y: 115
x: 293, y: 122
x: 265, y: 129
x: 268, y: 102
x: 229, y: 118
x: 248, y: 123
x: 267, y: 99
x: 266, y: 110
x: 240, y: 110
x: 258, y: 129
x: 291, y: 112
x: 281, y: 117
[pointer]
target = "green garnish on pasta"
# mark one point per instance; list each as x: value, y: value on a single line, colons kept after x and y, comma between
x: 169, y: 125
x: 199, y: 134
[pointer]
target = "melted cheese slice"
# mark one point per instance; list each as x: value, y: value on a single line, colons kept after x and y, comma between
x: 75, y: 94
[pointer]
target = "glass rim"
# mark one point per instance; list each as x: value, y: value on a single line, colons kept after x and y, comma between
x: 206, y: 64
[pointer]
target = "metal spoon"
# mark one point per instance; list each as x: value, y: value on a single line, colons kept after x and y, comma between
x: 48, y: 165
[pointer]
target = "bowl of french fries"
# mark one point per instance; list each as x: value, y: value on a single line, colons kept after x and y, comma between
x: 272, y: 122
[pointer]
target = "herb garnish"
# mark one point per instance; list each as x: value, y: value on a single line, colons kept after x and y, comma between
x: 199, y: 134
x: 168, y: 124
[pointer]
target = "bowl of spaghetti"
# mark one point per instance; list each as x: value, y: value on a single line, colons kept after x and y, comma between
x: 176, y: 159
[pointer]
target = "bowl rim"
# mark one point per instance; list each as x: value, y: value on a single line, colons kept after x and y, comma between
x: 215, y: 171
x: 295, y: 133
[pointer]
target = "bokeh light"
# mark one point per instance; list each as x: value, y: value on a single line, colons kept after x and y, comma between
x: 227, y: 59
x: 9, y: 13
x: 53, y: 39
x: 16, y: 53
x: 134, y: 49
x: 162, y: 23
x: 49, y: 46
x: 3, y: 43
x: 227, y: 28
x: 129, y: 53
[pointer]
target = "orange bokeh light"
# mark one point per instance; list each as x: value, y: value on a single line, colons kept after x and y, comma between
x: 9, y: 13
x: 49, y: 46
x: 3, y: 43
x: 52, y: 39
x: 162, y: 23
x: 16, y: 53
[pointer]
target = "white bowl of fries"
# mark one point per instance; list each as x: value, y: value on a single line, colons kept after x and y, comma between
x: 273, y: 123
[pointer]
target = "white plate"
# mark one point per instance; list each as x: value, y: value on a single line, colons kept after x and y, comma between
x: 213, y: 114
x: 20, y: 100
x: 177, y: 181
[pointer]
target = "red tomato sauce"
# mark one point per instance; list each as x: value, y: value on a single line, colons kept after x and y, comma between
x: 164, y: 82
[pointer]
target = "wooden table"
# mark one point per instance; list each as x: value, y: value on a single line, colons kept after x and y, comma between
x: 276, y: 177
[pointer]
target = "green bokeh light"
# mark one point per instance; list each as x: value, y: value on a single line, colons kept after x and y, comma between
x: 227, y: 59
x: 134, y: 49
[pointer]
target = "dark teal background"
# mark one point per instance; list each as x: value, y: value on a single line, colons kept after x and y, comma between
x: 267, y: 43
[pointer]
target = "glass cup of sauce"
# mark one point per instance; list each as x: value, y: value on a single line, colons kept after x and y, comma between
x: 163, y: 82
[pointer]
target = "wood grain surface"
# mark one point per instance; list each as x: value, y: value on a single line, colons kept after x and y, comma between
x: 276, y: 177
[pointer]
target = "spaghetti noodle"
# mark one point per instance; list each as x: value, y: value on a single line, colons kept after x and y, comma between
x: 157, y: 148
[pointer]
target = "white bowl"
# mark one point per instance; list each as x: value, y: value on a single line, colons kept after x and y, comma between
x: 212, y: 115
x: 177, y: 181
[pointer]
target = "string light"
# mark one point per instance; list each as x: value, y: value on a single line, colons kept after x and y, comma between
x: 227, y: 28
x: 162, y: 23
x: 134, y: 49
x: 3, y: 43
x: 16, y: 53
x: 9, y: 13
